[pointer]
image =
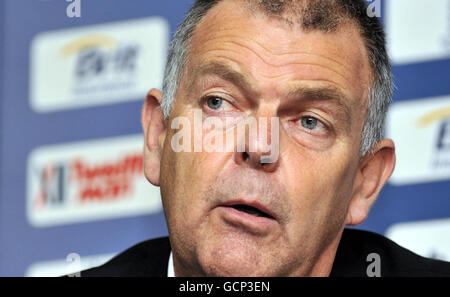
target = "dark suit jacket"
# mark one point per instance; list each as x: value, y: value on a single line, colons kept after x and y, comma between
x: 150, y: 258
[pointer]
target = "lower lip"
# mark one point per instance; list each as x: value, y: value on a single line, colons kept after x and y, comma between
x: 252, y: 224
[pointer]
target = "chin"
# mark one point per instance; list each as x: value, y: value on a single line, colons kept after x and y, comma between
x: 234, y: 269
x: 234, y: 259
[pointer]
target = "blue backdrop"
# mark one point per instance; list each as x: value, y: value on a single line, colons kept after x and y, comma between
x: 23, y: 129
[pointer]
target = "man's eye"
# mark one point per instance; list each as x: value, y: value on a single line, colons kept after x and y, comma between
x: 214, y: 103
x: 219, y: 104
x: 309, y: 123
x: 312, y: 123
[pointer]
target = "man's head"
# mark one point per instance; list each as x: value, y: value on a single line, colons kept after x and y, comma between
x: 320, y: 67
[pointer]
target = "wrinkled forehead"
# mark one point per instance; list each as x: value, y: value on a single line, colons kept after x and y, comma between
x: 323, y: 15
x: 230, y: 23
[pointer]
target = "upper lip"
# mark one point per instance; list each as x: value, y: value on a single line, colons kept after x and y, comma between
x: 255, y: 204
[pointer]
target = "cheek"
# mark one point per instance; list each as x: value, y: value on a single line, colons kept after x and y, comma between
x: 185, y: 184
x: 321, y: 185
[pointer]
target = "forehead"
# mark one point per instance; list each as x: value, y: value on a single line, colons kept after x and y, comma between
x: 269, y: 50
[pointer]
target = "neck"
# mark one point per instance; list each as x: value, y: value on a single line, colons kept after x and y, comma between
x: 324, y: 263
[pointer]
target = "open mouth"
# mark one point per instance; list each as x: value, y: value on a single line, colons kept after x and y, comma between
x: 251, y: 210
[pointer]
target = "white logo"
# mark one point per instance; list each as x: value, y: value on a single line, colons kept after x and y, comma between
x: 427, y: 238
x: 88, y: 181
x: 421, y: 132
x: 418, y: 30
x: 101, y: 64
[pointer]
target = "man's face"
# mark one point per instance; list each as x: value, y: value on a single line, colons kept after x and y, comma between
x: 315, y: 83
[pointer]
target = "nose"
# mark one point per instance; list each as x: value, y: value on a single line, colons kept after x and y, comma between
x: 255, y: 160
x: 261, y: 145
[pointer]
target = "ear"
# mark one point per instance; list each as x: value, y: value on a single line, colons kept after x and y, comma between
x: 374, y: 170
x: 154, y: 127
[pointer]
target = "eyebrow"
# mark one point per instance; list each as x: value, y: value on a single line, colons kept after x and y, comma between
x: 331, y: 94
x: 225, y: 72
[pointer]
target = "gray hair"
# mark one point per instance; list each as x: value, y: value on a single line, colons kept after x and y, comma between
x: 315, y: 15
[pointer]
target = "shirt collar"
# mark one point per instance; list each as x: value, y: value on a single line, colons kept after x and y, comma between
x: 170, y: 269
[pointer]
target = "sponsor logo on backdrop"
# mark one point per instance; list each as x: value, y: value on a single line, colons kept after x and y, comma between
x: 100, y: 64
x: 87, y: 181
x: 418, y: 30
x: 71, y: 265
x: 426, y: 238
x: 421, y: 132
